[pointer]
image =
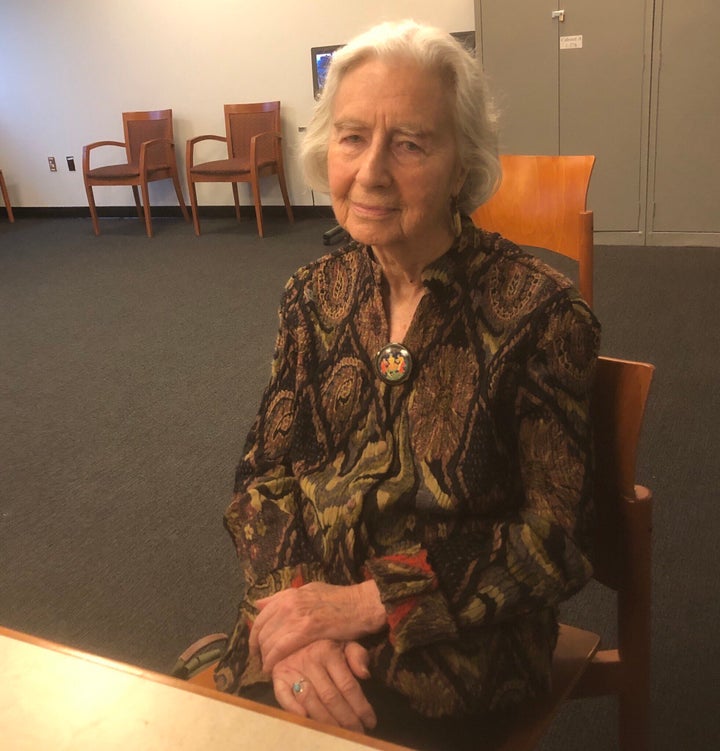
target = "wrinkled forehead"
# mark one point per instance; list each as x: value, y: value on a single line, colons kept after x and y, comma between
x: 397, y: 87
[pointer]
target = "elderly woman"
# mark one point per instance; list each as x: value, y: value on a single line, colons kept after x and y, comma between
x: 414, y: 496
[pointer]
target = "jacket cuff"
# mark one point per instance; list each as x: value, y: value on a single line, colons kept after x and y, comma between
x: 416, y: 608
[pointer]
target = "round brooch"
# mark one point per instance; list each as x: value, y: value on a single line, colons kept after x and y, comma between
x: 393, y: 363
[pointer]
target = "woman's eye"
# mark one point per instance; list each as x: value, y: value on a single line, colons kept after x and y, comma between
x: 408, y: 147
x: 352, y: 138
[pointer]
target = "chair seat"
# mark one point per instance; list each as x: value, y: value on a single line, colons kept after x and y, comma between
x: 205, y: 677
x: 114, y: 171
x: 573, y: 653
x: 574, y: 650
x: 122, y: 172
x: 225, y: 167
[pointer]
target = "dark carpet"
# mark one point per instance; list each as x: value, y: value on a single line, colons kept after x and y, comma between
x: 131, y: 368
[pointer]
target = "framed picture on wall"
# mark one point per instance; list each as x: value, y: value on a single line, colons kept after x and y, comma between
x: 321, y: 57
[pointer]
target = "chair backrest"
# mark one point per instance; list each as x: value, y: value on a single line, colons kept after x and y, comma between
x: 243, y: 121
x: 542, y: 202
x: 146, y: 126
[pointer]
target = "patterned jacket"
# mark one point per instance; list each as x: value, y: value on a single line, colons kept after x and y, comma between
x: 464, y: 492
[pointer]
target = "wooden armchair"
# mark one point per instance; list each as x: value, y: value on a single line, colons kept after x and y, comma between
x: 541, y: 202
x: 254, y: 149
x: 150, y: 154
x: 6, y: 198
x: 622, y: 562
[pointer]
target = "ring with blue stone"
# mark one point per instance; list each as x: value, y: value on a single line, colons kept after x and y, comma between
x: 298, y: 687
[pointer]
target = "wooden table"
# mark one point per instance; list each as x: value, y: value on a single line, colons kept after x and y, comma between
x: 58, y: 698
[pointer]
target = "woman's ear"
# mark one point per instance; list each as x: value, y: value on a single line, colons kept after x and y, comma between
x: 462, y: 174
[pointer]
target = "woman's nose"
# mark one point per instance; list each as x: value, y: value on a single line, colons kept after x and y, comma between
x: 375, y: 166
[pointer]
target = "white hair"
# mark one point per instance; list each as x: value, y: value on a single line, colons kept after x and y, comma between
x: 435, y: 50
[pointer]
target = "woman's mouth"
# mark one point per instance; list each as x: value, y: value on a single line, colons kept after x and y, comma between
x: 372, y: 210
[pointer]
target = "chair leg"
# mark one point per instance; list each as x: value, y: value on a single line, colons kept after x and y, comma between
x: 258, y: 207
x: 138, y: 205
x: 286, y: 199
x: 93, y: 208
x: 146, y: 203
x: 6, y: 198
x: 194, y: 206
x: 178, y: 193
x: 633, y: 720
x: 236, y: 199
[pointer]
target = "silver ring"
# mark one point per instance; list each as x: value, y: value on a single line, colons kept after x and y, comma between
x: 298, y: 687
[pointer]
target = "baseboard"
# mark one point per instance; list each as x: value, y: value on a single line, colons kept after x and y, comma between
x: 685, y: 239
x: 206, y: 212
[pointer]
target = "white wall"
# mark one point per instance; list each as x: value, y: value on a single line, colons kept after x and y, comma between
x: 71, y: 67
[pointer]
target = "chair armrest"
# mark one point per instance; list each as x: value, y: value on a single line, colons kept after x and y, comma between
x: 258, y: 141
x: 89, y: 147
x: 153, y: 145
x: 190, y: 146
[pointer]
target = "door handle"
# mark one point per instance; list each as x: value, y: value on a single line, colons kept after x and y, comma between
x: 559, y: 14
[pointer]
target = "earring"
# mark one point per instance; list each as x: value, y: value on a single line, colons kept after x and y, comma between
x: 455, y: 220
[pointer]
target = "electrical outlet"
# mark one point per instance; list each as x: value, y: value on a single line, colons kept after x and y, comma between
x: 70, y: 163
x: 53, y: 165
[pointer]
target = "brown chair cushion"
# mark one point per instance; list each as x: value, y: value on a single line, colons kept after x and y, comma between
x: 114, y: 171
x: 123, y: 171
x: 224, y: 167
x: 221, y: 167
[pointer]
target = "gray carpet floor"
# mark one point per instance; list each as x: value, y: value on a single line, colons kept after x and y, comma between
x: 131, y: 368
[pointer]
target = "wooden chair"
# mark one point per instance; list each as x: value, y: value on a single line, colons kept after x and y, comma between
x: 150, y: 153
x: 622, y: 562
x: 197, y: 663
x: 254, y: 150
x: 541, y: 202
x: 6, y: 198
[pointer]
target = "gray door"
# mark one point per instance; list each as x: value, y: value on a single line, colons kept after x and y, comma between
x: 519, y: 46
x: 685, y: 173
x: 576, y: 84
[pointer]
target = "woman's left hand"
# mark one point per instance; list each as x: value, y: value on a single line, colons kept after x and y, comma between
x: 321, y: 681
x: 296, y: 617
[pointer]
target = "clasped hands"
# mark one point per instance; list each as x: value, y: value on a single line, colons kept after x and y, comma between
x: 310, y: 633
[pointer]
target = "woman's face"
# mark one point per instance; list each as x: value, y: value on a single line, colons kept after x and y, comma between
x: 392, y: 160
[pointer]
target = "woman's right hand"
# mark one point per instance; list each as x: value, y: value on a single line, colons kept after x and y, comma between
x: 326, y: 673
x: 295, y: 617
